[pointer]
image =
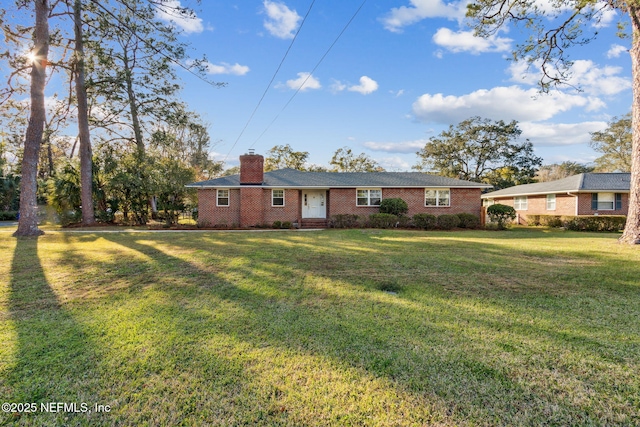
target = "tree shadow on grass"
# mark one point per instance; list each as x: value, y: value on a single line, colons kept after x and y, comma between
x: 419, y: 348
x: 54, y: 359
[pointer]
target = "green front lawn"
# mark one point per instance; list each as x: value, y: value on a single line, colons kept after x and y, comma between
x: 357, y: 327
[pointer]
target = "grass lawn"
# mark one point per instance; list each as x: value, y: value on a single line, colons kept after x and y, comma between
x: 332, y: 328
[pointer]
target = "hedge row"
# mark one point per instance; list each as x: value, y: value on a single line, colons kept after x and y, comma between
x: 424, y: 221
x: 580, y: 223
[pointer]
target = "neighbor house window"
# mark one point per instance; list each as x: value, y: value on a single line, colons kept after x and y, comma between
x: 606, y: 201
x: 223, y: 197
x: 439, y: 197
x: 520, y: 203
x: 368, y: 197
x: 551, y: 202
x: 277, y: 197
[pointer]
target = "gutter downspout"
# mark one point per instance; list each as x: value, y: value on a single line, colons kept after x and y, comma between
x: 577, y: 200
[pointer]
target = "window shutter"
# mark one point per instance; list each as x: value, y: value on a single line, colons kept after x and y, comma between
x: 618, y: 201
x: 594, y: 201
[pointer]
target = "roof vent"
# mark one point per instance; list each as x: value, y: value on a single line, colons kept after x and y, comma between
x: 252, y: 151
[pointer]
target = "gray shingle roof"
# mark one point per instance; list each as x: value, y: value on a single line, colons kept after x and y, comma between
x: 291, y: 178
x: 584, y: 182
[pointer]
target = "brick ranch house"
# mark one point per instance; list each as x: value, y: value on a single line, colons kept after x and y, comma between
x: 582, y: 194
x: 255, y: 197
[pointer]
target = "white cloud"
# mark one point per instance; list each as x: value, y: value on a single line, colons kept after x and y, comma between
x: 525, y: 73
x: 465, y: 41
x: 305, y: 81
x: 367, y: 85
x: 403, y: 16
x: 394, y: 164
x: 616, y: 50
x: 338, y: 86
x: 225, y: 68
x: 583, y: 74
x: 396, y: 147
x: 551, y: 8
x: 598, y: 81
x: 499, y: 103
x: 169, y: 12
x: 554, y: 134
x: 282, y: 21
x: 605, y: 16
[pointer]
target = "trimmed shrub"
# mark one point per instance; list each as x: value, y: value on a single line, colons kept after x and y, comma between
x: 610, y: 223
x: 580, y: 223
x: 404, y: 222
x: 448, y: 221
x: 382, y: 220
x: 501, y: 215
x: 344, y: 221
x: 533, y: 220
x: 286, y: 224
x: 276, y: 224
x: 468, y: 220
x: 393, y: 206
x: 545, y: 220
x: 551, y: 221
x: 425, y: 221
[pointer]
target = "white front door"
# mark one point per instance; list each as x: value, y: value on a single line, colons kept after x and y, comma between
x: 314, y: 204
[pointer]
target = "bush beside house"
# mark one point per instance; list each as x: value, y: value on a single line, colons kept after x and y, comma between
x: 422, y: 221
x: 610, y: 223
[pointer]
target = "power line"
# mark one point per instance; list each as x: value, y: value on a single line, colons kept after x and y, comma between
x: 271, y: 81
x: 311, y: 73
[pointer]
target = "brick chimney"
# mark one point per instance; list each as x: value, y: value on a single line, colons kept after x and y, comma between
x: 251, y: 168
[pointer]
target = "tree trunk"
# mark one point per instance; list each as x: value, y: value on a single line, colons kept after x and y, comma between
x: 631, y: 234
x: 51, y: 167
x: 28, y: 222
x: 86, y: 172
x: 133, y: 107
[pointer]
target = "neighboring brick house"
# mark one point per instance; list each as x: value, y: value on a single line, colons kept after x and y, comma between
x: 255, y: 197
x: 582, y: 194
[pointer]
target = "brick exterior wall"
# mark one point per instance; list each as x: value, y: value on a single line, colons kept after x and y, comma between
x: 291, y: 211
x: 250, y: 206
x: 565, y: 205
x: 343, y: 201
x: 584, y: 206
x: 210, y: 215
x: 257, y: 209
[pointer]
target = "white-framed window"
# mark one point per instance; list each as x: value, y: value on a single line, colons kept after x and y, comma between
x: 440, y: 197
x: 604, y: 201
x: 222, y: 198
x: 369, y: 197
x: 277, y: 197
x: 520, y: 203
x: 551, y: 202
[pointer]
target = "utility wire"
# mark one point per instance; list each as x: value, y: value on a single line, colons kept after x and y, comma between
x: 311, y: 73
x: 271, y: 81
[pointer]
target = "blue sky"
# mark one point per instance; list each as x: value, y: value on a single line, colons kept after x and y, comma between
x: 403, y: 71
